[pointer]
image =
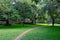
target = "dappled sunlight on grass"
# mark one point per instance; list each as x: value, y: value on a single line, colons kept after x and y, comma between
x: 42, y: 24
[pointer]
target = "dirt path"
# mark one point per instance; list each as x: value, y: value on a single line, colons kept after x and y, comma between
x: 24, y: 33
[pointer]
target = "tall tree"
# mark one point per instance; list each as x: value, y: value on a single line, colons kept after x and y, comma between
x: 51, y: 7
x: 25, y: 10
x: 7, y: 12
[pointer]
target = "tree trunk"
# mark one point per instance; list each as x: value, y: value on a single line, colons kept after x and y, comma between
x: 7, y: 23
x: 33, y: 22
x: 52, y: 21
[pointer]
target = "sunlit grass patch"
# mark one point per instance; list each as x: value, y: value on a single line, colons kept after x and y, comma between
x: 10, y: 34
x: 42, y: 24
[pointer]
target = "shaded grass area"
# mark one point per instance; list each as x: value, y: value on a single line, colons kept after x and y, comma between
x: 10, y: 32
x: 18, y: 26
x: 44, y: 33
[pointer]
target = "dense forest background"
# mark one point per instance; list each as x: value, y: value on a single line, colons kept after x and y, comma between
x: 29, y: 11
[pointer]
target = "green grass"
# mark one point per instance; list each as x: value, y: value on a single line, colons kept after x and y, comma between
x: 18, y: 26
x: 46, y: 25
x: 44, y: 33
x: 10, y: 32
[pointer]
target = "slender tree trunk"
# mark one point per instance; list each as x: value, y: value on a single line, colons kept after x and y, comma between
x: 33, y: 22
x: 7, y: 23
x: 24, y: 20
x: 53, y: 21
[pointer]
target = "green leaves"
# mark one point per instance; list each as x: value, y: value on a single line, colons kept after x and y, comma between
x: 25, y: 10
x: 36, y: 1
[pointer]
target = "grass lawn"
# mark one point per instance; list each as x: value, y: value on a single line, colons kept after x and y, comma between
x: 10, y: 32
x: 42, y: 24
x: 44, y: 33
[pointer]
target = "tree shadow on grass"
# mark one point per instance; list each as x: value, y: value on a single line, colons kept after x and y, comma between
x: 13, y: 26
